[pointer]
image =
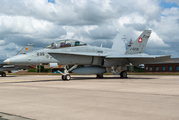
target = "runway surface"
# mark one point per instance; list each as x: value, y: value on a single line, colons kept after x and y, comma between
x: 47, y: 97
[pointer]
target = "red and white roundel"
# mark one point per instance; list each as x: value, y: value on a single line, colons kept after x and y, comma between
x: 140, y: 40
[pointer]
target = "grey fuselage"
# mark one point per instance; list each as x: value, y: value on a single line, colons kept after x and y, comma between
x: 58, y: 56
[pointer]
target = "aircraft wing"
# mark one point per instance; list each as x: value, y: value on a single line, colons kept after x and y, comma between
x: 142, y: 59
x: 134, y: 59
x: 136, y: 56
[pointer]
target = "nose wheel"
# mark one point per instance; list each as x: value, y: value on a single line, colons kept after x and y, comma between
x: 66, y: 77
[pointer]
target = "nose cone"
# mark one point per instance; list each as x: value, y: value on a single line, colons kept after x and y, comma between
x: 17, y: 60
x: 7, y: 61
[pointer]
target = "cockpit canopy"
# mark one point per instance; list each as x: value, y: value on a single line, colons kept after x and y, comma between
x: 65, y: 43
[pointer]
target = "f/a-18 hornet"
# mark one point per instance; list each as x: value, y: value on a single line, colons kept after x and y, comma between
x: 98, y: 60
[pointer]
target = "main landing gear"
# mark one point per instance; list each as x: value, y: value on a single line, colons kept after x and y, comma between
x: 66, y: 76
x: 99, y: 76
x: 119, y: 71
x: 123, y: 74
x: 3, y: 74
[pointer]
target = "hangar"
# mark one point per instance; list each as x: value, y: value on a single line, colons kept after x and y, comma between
x: 169, y: 66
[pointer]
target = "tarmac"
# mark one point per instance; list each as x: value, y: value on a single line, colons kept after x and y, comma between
x: 47, y: 97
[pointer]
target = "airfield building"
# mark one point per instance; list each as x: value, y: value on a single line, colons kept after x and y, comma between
x: 169, y: 66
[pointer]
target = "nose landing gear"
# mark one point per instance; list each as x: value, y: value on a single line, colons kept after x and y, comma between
x: 66, y: 76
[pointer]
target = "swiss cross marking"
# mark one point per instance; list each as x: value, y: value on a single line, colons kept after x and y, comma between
x: 140, y: 40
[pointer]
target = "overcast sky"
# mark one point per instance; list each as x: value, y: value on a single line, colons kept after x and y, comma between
x: 95, y: 22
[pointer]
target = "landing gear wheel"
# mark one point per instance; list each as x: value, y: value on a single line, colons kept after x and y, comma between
x: 123, y: 74
x: 3, y: 74
x: 99, y: 76
x: 63, y: 77
x: 66, y: 77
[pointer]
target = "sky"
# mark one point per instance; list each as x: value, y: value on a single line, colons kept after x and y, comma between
x: 94, y: 22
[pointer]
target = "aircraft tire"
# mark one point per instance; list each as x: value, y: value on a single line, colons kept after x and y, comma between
x: 67, y: 77
x: 99, y: 76
x: 3, y: 74
x: 63, y: 77
x: 123, y: 74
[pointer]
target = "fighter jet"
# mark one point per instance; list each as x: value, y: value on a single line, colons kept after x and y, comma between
x: 14, y: 68
x: 97, y: 60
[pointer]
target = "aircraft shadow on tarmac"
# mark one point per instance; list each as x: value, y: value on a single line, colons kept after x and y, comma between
x: 11, y: 76
x: 32, y: 81
x: 106, y: 78
x: 83, y: 78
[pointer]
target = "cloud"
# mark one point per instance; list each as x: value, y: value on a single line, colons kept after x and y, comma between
x: 171, y: 12
x: 2, y: 42
x: 94, y: 21
x: 103, y: 32
x: 168, y: 27
x: 16, y: 25
x: 17, y: 29
x: 173, y: 1
x: 156, y: 41
x: 62, y: 12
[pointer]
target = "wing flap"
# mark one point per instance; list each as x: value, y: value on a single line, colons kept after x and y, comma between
x: 137, y: 60
x: 136, y: 56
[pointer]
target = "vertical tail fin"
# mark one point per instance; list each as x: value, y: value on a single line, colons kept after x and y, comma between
x: 26, y: 49
x: 139, y: 45
x: 119, y: 44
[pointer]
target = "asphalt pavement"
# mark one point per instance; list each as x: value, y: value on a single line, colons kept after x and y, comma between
x: 47, y: 97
